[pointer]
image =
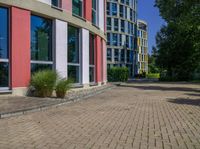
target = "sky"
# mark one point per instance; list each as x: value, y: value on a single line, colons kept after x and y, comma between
x: 150, y: 14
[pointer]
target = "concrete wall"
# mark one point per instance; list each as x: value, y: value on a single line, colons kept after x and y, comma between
x: 60, y: 31
x: 46, y: 1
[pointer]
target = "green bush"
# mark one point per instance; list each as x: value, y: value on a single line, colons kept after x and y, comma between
x: 62, y: 87
x: 118, y: 74
x: 43, y: 82
x: 153, y: 76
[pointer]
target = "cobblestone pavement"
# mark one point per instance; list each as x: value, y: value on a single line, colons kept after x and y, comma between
x: 139, y: 116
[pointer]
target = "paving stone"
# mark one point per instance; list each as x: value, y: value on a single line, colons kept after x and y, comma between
x: 133, y: 116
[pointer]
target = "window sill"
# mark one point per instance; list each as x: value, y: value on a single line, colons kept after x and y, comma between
x: 79, y: 17
x: 57, y: 8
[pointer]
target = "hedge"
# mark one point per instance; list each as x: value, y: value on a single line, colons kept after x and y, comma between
x: 118, y: 74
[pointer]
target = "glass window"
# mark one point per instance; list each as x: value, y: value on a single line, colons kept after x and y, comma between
x: 77, y: 7
x: 128, y: 56
x: 94, y: 11
x: 108, y: 38
x: 4, y: 49
x: 74, y: 54
x: 56, y: 3
x: 127, y: 41
x: 41, y: 42
x: 116, y: 24
x: 108, y: 8
x: 121, y: 11
x: 120, y: 39
x: 109, y: 23
x: 122, y: 55
x: 92, y: 58
x: 116, y: 55
x: 122, y: 26
x: 114, y: 9
x: 109, y: 54
x: 115, y: 39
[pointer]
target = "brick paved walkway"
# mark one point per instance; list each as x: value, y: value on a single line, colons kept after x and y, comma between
x: 140, y: 116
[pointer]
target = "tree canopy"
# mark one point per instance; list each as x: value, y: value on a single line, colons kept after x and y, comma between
x: 178, y: 41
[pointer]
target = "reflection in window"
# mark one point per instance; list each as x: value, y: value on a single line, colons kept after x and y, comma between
x: 73, y: 54
x: 77, y: 7
x: 92, y: 58
x: 116, y: 55
x: 41, y: 43
x: 109, y: 54
x: 4, y: 74
x: 94, y: 11
x: 4, y: 49
x: 114, y: 9
x: 115, y: 39
x: 109, y: 23
x: 56, y: 3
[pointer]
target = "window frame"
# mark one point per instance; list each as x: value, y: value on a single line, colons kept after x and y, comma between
x: 80, y: 54
x: 45, y: 62
x: 7, y: 60
x: 92, y: 37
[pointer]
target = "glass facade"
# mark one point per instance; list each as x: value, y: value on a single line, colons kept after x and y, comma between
x: 4, y: 48
x: 121, y: 29
x: 74, y: 54
x: 77, y: 7
x: 41, y: 44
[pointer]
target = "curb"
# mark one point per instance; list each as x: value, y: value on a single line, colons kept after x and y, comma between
x: 51, y: 106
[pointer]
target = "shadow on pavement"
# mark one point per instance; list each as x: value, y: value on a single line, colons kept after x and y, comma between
x: 161, y: 88
x: 187, y: 101
x: 190, y: 94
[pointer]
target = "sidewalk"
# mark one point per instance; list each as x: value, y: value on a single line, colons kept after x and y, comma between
x: 17, y: 105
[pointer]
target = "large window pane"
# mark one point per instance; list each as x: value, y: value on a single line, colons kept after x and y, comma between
x: 41, y: 39
x: 41, y: 44
x: 4, y: 74
x: 74, y: 73
x: 92, y: 74
x: 73, y: 54
x: 4, y: 49
x: 77, y: 7
x: 37, y: 67
x: 73, y: 44
x: 94, y: 11
x: 92, y: 58
x: 4, y: 33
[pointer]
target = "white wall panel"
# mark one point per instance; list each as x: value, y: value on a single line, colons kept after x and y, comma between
x: 60, y: 31
x: 85, y: 56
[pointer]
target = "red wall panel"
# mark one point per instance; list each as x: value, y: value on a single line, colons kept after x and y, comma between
x: 98, y: 60
x: 20, y: 47
x: 67, y: 5
x: 88, y: 10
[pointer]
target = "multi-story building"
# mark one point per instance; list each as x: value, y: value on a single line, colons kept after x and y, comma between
x: 65, y: 35
x: 142, y: 50
x: 121, y: 33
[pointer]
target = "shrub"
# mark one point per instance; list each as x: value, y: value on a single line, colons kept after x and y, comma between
x: 43, y: 82
x: 153, y: 76
x: 118, y: 74
x: 62, y: 87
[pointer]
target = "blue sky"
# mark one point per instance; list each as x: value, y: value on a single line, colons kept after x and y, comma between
x: 149, y: 13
